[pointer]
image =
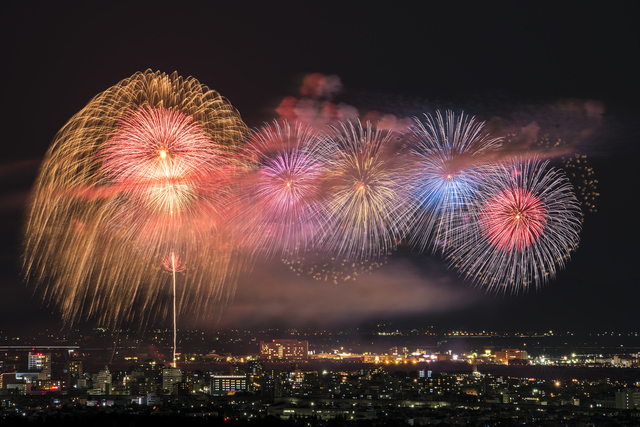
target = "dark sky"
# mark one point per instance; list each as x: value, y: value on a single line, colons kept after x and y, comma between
x: 513, y: 60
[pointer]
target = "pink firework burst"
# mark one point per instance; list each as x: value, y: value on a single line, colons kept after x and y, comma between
x: 173, y: 263
x: 281, y: 192
x: 513, y: 219
x: 161, y: 157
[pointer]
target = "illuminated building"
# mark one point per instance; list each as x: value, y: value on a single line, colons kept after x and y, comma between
x: 284, y: 350
x: 40, y: 362
x: 73, y: 369
x: 270, y: 384
x: 151, y: 399
x: 183, y: 388
x: 228, y: 384
x: 255, y: 367
x: 10, y: 363
x: 143, y: 385
x: 170, y: 377
x: 507, y: 354
x: 103, y: 381
x: 424, y: 374
x: 44, y: 386
x: 628, y: 399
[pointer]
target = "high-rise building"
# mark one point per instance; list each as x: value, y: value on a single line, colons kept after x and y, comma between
x: 73, y: 369
x: 170, y: 377
x: 103, y: 381
x: 255, y: 367
x: 286, y: 350
x: 270, y: 384
x: 40, y: 362
x: 11, y: 363
x: 146, y: 378
x: 183, y: 388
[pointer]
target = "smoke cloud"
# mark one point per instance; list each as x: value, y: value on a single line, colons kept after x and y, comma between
x: 272, y: 294
x: 574, y: 121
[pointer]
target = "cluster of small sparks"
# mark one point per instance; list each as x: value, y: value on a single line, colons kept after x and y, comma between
x: 579, y: 171
x: 335, y: 270
x: 161, y: 172
x: 582, y: 175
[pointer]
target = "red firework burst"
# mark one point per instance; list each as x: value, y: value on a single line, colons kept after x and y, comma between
x: 513, y: 219
x: 160, y: 157
x: 526, y: 226
x: 173, y: 263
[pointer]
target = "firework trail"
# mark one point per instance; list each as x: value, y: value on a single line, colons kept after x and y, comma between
x: 450, y: 163
x: 365, y: 209
x: 526, y: 222
x: 280, y: 194
x: 143, y: 170
x: 174, y: 264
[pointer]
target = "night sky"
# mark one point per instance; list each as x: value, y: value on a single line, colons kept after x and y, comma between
x: 511, y: 61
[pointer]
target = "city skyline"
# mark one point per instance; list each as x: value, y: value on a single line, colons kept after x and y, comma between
x: 484, y: 381
x: 55, y: 71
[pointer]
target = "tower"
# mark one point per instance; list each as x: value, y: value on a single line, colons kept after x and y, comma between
x: 40, y: 362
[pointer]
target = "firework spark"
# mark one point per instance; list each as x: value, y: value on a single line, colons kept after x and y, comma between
x: 173, y: 263
x: 527, y: 223
x: 576, y: 165
x: 331, y: 269
x: 143, y: 170
x: 160, y: 158
x: 365, y: 208
x: 513, y: 219
x: 583, y: 177
x: 450, y: 165
x: 282, y: 191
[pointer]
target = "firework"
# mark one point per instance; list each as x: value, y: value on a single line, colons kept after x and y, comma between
x: 450, y: 163
x: 331, y: 269
x: 174, y: 264
x: 526, y: 223
x: 282, y: 191
x: 160, y: 158
x: 365, y: 209
x: 582, y: 175
x: 575, y: 164
x: 143, y: 170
